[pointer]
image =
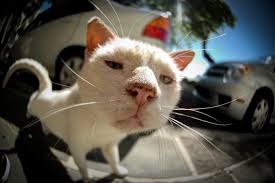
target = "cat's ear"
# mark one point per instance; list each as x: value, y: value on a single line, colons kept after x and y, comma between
x: 97, y: 34
x: 182, y: 58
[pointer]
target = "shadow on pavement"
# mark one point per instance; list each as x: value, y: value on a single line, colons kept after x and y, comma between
x: 39, y: 163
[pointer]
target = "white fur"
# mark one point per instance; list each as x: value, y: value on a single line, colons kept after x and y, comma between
x: 105, y: 123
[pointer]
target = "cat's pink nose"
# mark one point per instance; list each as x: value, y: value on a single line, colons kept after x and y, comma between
x: 142, y: 95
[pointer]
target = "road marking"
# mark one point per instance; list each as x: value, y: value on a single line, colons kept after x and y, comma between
x: 234, y: 178
x: 186, y: 156
x: 183, y: 151
x: 176, y: 138
x: 97, y: 173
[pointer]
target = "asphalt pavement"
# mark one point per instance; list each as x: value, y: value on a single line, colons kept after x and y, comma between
x: 197, y: 153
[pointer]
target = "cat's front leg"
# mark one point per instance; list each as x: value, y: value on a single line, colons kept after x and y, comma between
x: 80, y: 159
x: 111, y: 154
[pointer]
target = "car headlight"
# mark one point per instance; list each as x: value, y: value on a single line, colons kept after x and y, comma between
x: 236, y: 73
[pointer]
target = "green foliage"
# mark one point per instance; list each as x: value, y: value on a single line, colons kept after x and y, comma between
x: 206, y: 16
x: 200, y: 18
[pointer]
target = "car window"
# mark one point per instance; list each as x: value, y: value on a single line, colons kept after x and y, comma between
x: 59, y: 9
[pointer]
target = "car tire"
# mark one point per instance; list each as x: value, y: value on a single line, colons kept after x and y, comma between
x: 258, y: 113
x: 73, y: 58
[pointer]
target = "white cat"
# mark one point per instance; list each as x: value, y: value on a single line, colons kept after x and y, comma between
x: 121, y: 90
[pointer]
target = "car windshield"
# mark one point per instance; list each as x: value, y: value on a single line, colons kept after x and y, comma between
x: 60, y: 8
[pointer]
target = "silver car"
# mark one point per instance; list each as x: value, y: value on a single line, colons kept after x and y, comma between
x: 58, y: 35
x: 242, y: 90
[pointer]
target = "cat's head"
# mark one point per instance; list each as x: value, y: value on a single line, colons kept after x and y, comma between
x: 132, y: 80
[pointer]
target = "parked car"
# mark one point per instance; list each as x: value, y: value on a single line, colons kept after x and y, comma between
x: 59, y: 34
x: 245, y: 90
x: 13, y: 21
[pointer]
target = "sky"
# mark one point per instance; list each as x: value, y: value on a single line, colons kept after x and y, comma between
x: 251, y: 38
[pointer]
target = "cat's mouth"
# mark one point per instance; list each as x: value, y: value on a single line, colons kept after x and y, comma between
x: 130, y: 123
x: 136, y: 120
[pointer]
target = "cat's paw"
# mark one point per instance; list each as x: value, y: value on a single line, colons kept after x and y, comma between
x: 121, y: 171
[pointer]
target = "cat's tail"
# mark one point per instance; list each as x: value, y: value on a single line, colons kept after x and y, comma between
x: 36, y: 68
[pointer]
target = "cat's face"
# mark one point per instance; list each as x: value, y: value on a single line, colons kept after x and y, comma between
x: 133, y: 80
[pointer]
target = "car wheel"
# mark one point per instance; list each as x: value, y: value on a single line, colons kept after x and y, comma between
x: 258, y: 114
x: 73, y: 60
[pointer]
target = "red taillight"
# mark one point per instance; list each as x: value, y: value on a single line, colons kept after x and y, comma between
x: 158, y: 28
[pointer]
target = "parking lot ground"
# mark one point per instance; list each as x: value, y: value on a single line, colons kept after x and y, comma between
x: 168, y: 155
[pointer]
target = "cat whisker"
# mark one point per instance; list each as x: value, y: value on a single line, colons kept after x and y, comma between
x: 165, y: 142
x: 205, y: 49
x: 204, y: 114
x: 198, y: 133
x: 137, y: 21
x: 174, y: 144
x: 118, y: 19
x: 178, y: 42
x: 160, y: 153
x: 202, y: 144
x: 99, y: 9
x: 206, y: 138
x: 221, y: 35
x: 55, y: 111
x: 198, y: 140
x: 57, y: 141
x: 203, y: 108
x: 183, y: 125
x: 59, y: 84
x: 205, y: 121
x: 80, y: 76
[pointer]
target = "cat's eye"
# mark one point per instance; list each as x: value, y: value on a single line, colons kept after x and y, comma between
x: 166, y: 79
x: 114, y: 65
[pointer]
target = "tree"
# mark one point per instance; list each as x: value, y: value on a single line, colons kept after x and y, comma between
x: 200, y: 18
x: 205, y: 17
